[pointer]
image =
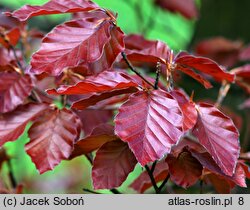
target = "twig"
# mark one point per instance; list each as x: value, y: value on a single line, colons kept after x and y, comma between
x: 201, y: 186
x: 158, y: 70
x: 222, y: 93
x: 153, y: 167
x: 152, y: 179
x: 164, y: 182
x: 134, y: 70
x: 16, y: 58
x: 90, y: 191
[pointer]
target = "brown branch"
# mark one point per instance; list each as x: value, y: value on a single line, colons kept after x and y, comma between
x: 134, y: 70
x: 164, y: 182
x: 222, y: 93
x: 151, y: 176
x: 158, y: 70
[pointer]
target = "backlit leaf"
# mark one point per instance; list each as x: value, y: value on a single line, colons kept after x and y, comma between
x: 53, y: 7
x: 52, y: 138
x: 218, y: 134
x: 76, y: 42
x: 14, y: 89
x: 12, y: 124
x: 150, y: 122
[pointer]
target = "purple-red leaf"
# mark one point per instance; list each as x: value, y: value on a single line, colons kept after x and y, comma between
x: 91, y: 118
x: 14, y: 89
x: 103, y: 82
x: 186, y: 8
x: 150, y: 122
x: 184, y: 170
x: 53, y: 7
x: 52, y: 138
x: 203, y: 65
x: 113, y: 163
x: 218, y: 134
x: 143, y: 182
x: 77, y: 42
x: 100, y: 135
x: 223, y: 51
x: 138, y: 49
x: 242, y: 74
x: 188, y: 109
x: 95, y: 98
x: 12, y: 124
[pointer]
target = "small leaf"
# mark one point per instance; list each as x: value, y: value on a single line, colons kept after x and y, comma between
x: 113, y: 163
x: 187, y: 9
x: 188, y: 109
x: 185, y: 170
x: 68, y: 45
x: 100, y: 135
x: 221, y: 50
x: 203, y: 65
x: 143, y: 182
x: 150, y: 123
x: 217, y: 133
x: 139, y: 49
x: 91, y: 118
x: 53, y: 7
x: 14, y: 89
x: 103, y: 82
x: 95, y: 98
x: 52, y: 138
x: 243, y: 76
x: 12, y: 124
x: 12, y: 38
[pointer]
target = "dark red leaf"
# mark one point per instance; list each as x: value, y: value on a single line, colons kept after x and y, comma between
x: 196, y: 76
x: 218, y: 134
x: 220, y: 184
x: 14, y: 89
x: 245, y: 54
x: 10, y: 38
x: 92, y: 118
x: 187, y: 9
x: 12, y: 124
x: 53, y: 7
x: 52, y: 138
x: 138, y: 49
x: 103, y: 82
x: 143, y: 182
x: 222, y: 50
x: 150, y: 122
x: 185, y: 170
x: 113, y: 163
x: 68, y: 45
x: 7, y: 57
x: 188, y: 109
x: 95, y: 98
x: 203, y: 65
x: 100, y: 135
x: 243, y: 76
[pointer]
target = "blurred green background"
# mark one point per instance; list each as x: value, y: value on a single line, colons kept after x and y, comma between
x: 228, y: 18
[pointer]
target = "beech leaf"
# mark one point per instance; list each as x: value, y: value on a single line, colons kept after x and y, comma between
x: 52, y: 138
x: 68, y: 45
x: 103, y: 82
x: 13, y: 124
x: 218, y: 134
x: 150, y: 122
x: 112, y: 164
x: 185, y: 170
x: 14, y: 89
x: 53, y: 7
x: 100, y: 135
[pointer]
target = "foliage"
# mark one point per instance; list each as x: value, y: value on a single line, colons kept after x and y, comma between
x: 121, y: 102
